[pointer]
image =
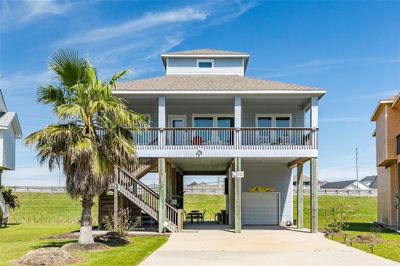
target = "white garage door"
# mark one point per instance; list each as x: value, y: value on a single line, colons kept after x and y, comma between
x: 260, y: 208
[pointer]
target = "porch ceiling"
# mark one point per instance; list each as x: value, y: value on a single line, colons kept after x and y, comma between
x: 200, y: 166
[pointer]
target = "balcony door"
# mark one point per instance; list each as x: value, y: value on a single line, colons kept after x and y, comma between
x: 208, y: 134
x: 177, y: 137
x: 277, y: 135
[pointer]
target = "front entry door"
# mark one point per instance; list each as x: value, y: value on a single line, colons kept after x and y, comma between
x: 178, y: 136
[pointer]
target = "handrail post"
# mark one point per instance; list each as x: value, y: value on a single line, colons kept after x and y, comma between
x: 180, y: 220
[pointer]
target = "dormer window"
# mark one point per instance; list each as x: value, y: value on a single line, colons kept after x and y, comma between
x: 205, y: 63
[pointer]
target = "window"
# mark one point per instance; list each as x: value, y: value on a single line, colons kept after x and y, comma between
x: 205, y: 63
x: 273, y: 121
x: 203, y: 121
x: 398, y: 144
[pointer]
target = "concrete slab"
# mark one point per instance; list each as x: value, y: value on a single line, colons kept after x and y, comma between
x: 258, y: 246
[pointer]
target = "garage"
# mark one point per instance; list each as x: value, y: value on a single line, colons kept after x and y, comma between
x: 260, y: 208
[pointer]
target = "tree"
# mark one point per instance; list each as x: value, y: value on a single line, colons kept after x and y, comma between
x: 93, y: 134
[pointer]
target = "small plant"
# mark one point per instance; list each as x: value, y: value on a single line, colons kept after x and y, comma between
x: 337, y: 219
x: 123, y: 223
x: 10, y: 197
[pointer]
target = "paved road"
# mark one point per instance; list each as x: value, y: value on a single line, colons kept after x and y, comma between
x: 258, y: 246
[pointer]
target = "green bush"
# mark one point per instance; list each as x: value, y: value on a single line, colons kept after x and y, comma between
x: 337, y: 219
x: 10, y: 197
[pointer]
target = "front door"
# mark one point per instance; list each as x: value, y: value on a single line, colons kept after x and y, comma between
x: 178, y: 136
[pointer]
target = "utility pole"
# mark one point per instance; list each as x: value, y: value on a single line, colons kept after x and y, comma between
x: 358, y: 185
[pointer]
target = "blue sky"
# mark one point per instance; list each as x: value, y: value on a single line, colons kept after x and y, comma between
x: 349, y: 48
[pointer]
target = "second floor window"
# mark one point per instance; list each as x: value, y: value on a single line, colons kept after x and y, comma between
x: 205, y: 63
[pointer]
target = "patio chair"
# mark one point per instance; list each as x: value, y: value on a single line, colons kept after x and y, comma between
x: 187, y: 217
x: 202, y: 215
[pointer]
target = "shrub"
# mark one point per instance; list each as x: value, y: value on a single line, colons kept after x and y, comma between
x: 123, y: 222
x: 10, y: 197
x: 337, y: 219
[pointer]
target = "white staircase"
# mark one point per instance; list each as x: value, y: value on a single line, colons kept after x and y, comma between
x: 129, y: 185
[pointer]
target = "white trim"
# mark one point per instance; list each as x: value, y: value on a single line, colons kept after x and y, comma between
x: 229, y: 92
x: 172, y: 117
x: 214, y: 117
x: 273, y: 118
x: 166, y: 66
x: 204, y: 55
x: 204, y: 61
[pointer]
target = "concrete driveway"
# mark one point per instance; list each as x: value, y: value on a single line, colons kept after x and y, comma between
x: 258, y: 246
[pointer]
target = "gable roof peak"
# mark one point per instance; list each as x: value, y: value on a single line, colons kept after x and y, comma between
x: 205, y: 51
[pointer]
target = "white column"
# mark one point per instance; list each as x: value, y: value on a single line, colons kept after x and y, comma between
x: 238, y: 111
x: 238, y: 121
x: 161, y: 120
x: 314, y: 112
x: 230, y: 196
x: 161, y: 112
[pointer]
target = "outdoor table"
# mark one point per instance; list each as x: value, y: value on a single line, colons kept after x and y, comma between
x: 195, y: 214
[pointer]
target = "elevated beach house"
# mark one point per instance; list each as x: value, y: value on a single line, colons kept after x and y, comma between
x: 208, y: 118
x: 387, y: 135
x: 10, y: 130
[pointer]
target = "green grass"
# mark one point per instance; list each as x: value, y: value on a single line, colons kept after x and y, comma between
x: 132, y: 254
x: 44, y: 208
x: 16, y: 240
x: 47, y: 214
x: 358, y: 209
x: 212, y: 204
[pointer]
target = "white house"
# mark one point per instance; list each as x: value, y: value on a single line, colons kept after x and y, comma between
x: 10, y: 130
x: 208, y: 118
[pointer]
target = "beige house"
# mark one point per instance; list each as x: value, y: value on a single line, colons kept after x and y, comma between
x: 387, y: 134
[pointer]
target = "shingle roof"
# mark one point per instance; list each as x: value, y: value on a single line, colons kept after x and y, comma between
x: 205, y: 52
x: 209, y: 83
x: 369, y: 178
x: 338, y: 184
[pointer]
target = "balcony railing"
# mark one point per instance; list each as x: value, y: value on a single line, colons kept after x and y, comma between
x: 227, y: 138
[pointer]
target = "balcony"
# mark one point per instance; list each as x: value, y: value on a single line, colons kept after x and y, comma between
x: 214, y: 142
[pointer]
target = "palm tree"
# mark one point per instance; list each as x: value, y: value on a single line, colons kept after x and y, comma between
x: 93, y: 133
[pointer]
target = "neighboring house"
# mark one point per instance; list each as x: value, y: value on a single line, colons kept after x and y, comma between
x: 306, y: 182
x: 346, y: 184
x: 10, y: 130
x: 370, y: 181
x: 208, y: 118
x: 387, y: 135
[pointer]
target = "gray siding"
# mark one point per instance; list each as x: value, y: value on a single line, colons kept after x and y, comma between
x: 278, y: 175
x: 231, y: 66
x: 7, y: 139
x: 188, y: 107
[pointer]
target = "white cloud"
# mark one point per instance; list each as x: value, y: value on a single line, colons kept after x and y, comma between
x: 17, y: 13
x: 33, y: 176
x: 38, y: 8
x: 23, y: 80
x: 321, y: 65
x: 145, y: 22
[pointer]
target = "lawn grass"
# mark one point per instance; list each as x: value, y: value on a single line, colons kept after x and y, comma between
x: 45, y: 208
x: 132, y: 254
x: 212, y: 204
x: 17, y: 239
x: 47, y: 214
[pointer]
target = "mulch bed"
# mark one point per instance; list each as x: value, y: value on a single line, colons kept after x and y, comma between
x: 46, y: 257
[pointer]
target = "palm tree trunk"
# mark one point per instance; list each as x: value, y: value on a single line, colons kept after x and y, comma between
x: 86, y: 236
